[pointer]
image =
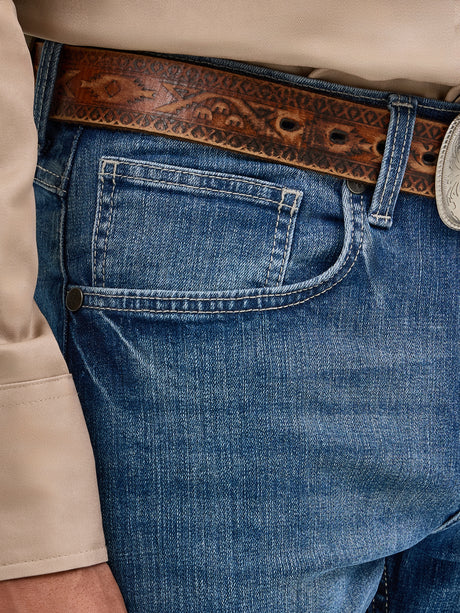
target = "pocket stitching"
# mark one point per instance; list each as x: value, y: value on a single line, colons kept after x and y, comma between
x: 207, y: 189
x: 97, y: 221
x: 165, y: 168
x: 274, y: 245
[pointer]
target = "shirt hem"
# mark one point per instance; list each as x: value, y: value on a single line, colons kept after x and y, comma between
x: 53, y: 564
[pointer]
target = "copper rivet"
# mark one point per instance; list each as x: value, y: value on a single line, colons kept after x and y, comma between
x: 74, y: 299
x: 355, y: 186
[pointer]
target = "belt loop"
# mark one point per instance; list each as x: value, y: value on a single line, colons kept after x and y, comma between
x: 395, y: 156
x: 44, y: 86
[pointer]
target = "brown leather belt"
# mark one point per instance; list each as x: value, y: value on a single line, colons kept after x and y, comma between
x: 250, y: 115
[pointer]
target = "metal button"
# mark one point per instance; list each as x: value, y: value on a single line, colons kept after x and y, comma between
x: 355, y: 186
x: 74, y: 299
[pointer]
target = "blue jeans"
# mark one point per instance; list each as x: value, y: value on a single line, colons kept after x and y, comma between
x: 269, y: 378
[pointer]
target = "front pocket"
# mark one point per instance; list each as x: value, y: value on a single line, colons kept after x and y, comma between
x: 171, y: 228
x: 160, y: 302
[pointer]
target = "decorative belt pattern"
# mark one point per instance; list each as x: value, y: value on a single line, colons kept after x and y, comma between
x: 250, y: 115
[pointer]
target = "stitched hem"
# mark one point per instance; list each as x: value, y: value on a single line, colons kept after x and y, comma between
x: 53, y: 564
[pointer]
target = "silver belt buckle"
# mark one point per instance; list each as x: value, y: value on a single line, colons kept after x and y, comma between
x: 447, y: 182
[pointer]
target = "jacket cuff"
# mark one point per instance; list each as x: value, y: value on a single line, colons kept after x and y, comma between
x: 50, y: 516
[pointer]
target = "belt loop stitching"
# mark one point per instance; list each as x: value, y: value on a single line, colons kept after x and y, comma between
x: 382, y: 198
x: 401, y: 158
x: 377, y: 214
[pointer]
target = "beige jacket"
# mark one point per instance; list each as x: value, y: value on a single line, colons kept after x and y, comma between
x: 49, y: 507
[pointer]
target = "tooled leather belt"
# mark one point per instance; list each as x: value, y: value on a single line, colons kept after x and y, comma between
x: 250, y: 115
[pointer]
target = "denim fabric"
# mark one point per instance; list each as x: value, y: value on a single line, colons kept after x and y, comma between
x: 268, y: 372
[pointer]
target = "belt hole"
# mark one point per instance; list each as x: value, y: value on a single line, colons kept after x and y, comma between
x: 289, y: 124
x: 338, y: 137
x: 429, y: 159
x: 381, y: 147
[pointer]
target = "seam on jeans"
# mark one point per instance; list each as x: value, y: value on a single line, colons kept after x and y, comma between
x: 206, y: 189
x: 101, y: 174
x: 452, y: 521
x: 401, y: 157
x: 284, y: 252
x: 104, y: 257
x: 280, y: 207
x: 385, y: 577
x: 18, y: 404
x: 232, y: 178
x: 62, y: 234
x: 73, y: 147
x: 66, y: 555
x: 406, y: 104
x: 435, y: 108
x: 374, y: 98
x: 380, y: 216
x: 248, y: 310
x: 55, y: 188
x: 286, y: 242
x: 49, y: 172
x: 390, y: 162
x: 217, y: 311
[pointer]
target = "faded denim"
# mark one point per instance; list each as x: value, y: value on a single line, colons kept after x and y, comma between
x: 268, y: 367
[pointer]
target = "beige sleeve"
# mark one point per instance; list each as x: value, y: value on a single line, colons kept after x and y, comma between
x: 49, y: 506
